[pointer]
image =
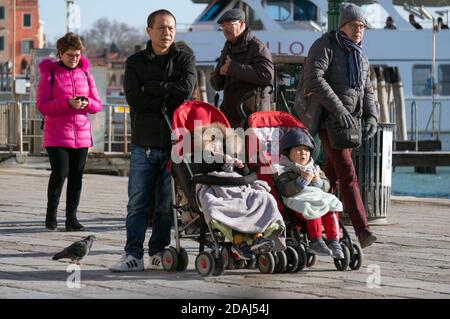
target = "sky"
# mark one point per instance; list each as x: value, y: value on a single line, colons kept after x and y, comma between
x: 132, y: 12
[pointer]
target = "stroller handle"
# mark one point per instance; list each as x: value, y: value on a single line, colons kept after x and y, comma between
x: 165, y: 113
x: 250, y: 94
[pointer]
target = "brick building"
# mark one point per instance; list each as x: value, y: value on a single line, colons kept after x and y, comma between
x: 28, y: 32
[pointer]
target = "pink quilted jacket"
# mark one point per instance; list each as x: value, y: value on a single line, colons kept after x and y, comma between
x: 65, y: 126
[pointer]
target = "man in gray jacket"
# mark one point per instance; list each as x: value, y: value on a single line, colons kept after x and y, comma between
x: 244, y: 65
x: 336, y: 83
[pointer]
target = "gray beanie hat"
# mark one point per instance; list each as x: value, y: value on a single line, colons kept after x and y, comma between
x: 351, y: 12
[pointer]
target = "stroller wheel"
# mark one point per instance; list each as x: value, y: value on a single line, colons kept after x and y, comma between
x: 233, y: 260
x: 310, y: 260
x: 183, y: 260
x: 292, y: 259
x: 302, y: 257
x: 205, y: 264
x: 342, y: 264
x: 219, y: 266
x: 280, y: 262
x: 251, y: 264
x: 266, y: 263
x: 239, y: 264
x: 226, y: 257
x: 170, y: 259
x: 356, y: 258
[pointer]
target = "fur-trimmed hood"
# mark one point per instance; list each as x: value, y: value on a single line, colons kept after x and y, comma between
x: 51, y: 65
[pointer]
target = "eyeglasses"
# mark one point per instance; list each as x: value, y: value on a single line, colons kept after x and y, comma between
x: 228, y: 24
x: 73, y: 56
x: 357, y: 26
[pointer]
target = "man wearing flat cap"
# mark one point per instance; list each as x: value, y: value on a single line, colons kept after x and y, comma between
x: 245, y: 64
x: 336, y: 88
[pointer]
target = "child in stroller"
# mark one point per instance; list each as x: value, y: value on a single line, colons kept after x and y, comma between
x: 217, y: 196
x: 269, y: 128
x: 248, y: 210
x: 304, y: 188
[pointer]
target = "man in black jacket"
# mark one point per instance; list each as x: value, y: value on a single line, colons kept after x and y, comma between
x: 245, y: 64
x: 160, y: 76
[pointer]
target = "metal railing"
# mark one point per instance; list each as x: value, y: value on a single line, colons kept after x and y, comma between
x: 414, y: 125
x: 20, y: 128
x: 432, y: 119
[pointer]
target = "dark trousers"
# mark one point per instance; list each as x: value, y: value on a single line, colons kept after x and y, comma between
x: 65, y: 163
x: 340, y: 170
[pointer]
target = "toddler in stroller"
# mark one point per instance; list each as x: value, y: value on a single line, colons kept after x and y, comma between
x: 304, y: 188
x: 225, y: 196
x: 269, y: 128
x: 247, y: 209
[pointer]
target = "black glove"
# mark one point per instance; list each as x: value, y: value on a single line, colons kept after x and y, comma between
x: 370, y: 127
x: 345, y: 119
x: 156, y: 88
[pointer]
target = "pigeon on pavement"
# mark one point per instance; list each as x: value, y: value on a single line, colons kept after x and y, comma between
x: 76, y: 251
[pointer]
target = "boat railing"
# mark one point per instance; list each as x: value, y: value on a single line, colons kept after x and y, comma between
x: 414, y: 126
x: 436, y: 111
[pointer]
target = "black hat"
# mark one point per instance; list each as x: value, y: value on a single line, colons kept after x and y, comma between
x: 297, y: 137
x: 232, y: 15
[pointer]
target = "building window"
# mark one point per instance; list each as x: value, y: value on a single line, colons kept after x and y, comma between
x: 444, y: 79
x: 27, y: 45
x: 2, y: 13
x: 27, y: 20
x: 2, y: 43
x: 421, y: 80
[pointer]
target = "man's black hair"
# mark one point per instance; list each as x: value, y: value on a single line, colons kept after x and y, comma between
x: 151, y: 18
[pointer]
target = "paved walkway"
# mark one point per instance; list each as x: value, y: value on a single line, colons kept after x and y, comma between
x: 412, y: 256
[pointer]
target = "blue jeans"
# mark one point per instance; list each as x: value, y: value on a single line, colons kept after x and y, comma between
x: 148, y: 174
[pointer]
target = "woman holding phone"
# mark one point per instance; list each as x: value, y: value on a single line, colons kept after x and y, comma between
x: 66, y: 95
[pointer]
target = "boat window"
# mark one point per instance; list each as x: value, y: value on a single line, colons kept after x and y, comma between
x: 305, y: 10
x: 291, y: 10
x: 252, y: 19
x: 444, y: 79
x: 421, y: 80
x: 279, y: 10
x: 214, y: 11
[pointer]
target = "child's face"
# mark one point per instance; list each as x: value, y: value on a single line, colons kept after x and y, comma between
x: 300, y: 154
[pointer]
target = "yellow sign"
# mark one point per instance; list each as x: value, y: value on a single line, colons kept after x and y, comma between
x: 122, y: 109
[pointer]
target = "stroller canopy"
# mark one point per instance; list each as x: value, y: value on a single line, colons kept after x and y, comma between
x: 189, y: 112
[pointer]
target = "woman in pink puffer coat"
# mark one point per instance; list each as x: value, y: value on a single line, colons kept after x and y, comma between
x: 66, y: 95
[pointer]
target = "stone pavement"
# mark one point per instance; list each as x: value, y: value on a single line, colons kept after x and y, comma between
x: 412, y: 255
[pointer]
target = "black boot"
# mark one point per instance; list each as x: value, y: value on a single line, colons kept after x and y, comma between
x: 72, y: 224
x: 50, y: 220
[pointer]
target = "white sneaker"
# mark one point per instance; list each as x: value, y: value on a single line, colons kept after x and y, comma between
x: 128, y: 263
x: 155, y: 262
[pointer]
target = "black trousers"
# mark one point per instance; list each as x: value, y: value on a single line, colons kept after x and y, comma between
x: 65, y: 163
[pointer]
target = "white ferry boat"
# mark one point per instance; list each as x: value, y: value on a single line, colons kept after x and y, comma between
x: 289, y: 27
